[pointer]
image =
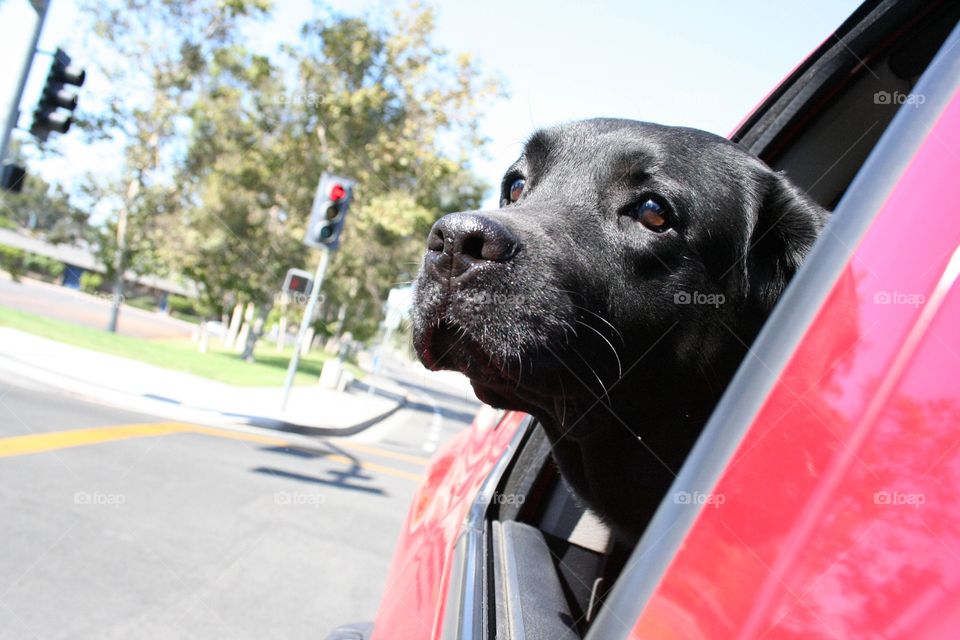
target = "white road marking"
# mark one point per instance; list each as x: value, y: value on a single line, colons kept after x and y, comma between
x: 436, y: 424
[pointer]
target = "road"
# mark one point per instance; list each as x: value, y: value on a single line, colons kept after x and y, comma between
x: 89, y: 310
x: 119, y: 525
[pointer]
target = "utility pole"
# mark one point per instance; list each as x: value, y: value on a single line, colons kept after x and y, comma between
x: 305, y: 323
x: 40, y: 6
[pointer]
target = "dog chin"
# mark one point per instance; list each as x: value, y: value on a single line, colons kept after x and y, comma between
x: 445, y: 345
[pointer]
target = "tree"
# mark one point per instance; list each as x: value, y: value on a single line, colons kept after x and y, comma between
x: 155, y: 54
x: 382, y: 105
x: 400, y: 115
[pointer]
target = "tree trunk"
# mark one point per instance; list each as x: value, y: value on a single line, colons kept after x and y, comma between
x: 256, y: 331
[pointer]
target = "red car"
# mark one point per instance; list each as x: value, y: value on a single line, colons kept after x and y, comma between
x: 821, y: 500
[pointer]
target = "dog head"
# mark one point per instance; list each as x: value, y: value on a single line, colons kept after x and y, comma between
x: 619, y: 246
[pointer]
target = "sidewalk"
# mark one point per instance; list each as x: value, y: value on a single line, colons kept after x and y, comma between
x: 136, y: 386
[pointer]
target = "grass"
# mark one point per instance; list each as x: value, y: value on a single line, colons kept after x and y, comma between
x: 270, y: 368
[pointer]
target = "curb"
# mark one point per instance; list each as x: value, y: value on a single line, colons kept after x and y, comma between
x: 91, y: 392
x: 332, y: 432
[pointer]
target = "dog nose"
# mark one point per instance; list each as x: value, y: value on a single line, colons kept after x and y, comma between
x: 459, y: 243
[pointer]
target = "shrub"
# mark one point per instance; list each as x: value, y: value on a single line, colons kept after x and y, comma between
x: 180, y: 305
x: 49, y: 268
x: 11, y: 261
x: 90, y: 281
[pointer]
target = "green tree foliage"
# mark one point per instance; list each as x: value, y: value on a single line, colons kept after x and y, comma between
x: 222, y: 156
x: 157, y: 54
x: 381, y: 104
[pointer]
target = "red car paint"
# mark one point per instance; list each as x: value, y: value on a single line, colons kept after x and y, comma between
x: 837, y: 516
x: 412, y: 605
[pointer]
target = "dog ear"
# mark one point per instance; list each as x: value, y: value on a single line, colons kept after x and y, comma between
x: 787, y: 224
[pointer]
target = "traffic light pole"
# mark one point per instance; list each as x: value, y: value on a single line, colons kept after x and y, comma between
x: 13, y: 115
x: 307, y: 318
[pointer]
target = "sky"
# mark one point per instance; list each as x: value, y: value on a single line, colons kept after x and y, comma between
x: 695, y: 63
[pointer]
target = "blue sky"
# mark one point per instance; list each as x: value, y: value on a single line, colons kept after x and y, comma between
x: 696, y: 63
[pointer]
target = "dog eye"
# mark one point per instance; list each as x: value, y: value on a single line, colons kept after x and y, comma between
x: 652, y: 215
x: 516, y: 189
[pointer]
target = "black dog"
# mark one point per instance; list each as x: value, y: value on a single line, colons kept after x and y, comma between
x: 613, y: 294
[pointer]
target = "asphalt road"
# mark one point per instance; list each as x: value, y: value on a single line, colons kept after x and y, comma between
x: 119, y: 525
x: 88, y: 310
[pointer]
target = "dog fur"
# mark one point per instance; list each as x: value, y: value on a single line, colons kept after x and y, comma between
x: 617, y: 337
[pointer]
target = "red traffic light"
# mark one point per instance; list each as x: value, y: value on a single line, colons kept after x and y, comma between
x: 337, y: 192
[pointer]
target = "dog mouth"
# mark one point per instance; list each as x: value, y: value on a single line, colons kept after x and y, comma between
x: 447, y: 345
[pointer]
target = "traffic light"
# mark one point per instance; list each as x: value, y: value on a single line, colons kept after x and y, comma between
x: 54, y: 112
x: 12, y: 177
x: 297, y: 281
x: 329, y: 211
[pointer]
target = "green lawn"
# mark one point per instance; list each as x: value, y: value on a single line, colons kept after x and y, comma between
x: 217, y: 364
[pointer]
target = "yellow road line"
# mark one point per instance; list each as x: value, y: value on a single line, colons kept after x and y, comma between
x: 39, y: 442
x: 384, y: 453
x: 371, y: 466
x: 229, y: 434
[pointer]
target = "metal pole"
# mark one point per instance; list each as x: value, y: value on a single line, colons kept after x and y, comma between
x: 119, y: 265
x: 14, y: 115
x: 307, y: 318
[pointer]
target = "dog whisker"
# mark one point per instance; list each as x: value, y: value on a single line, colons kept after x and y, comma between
x: 563, y: 400
x: 603, y: 387
x: 602, y: 319
x: 615, y: 354
x: 519, y: 369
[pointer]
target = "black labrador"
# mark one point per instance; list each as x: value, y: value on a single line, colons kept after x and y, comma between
x: 613, y: 294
